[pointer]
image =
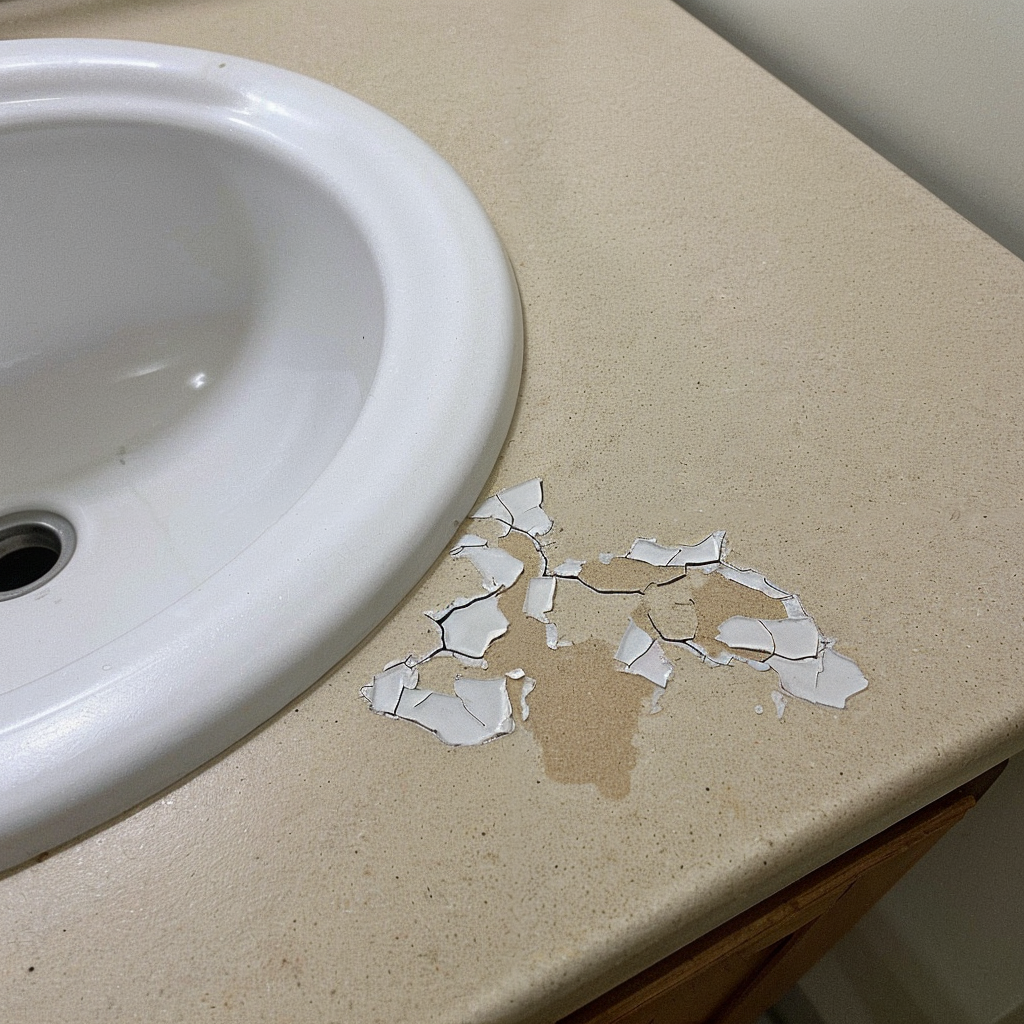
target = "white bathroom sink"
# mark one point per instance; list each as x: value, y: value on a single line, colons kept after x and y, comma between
x: 259, y: 350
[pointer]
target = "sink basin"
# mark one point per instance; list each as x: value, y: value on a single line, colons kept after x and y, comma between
x: 260, y: 349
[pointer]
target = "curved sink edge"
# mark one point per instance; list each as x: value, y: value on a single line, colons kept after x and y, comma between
x: 42, y: 811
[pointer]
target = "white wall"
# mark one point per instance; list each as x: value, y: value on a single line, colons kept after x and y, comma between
x: 936, y: 86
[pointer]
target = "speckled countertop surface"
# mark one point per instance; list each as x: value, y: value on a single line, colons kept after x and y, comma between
x: 737, y: 317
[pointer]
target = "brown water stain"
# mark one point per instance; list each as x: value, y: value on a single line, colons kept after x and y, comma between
x: 584, y: 712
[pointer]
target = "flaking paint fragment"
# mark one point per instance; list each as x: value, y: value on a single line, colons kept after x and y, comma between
x: 386, y: 689
x: 479, y: 711
x: 540, y: 597
x: 780, y: 704
x: 707, y: 552
x: 749, y: 578
x: 804, y: 661
x: 551, y: 637
x: 468, y: 629
x: 498, y: 569
x: 518, y: 508
x: 771, y: 633
x: 527, y: 689
x: 571, y: 567
x: 788, y: 638
x: 633, y: 644
x: 640, y: 654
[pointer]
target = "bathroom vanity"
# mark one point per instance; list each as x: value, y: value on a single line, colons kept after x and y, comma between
x: 737, y: 318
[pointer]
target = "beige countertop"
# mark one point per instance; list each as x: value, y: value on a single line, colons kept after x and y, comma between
x: 737, y: 317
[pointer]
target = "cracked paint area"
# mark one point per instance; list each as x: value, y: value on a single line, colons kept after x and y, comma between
x: 553, y: 629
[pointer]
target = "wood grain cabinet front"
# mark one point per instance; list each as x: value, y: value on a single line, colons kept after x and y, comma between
x: 734, y: 973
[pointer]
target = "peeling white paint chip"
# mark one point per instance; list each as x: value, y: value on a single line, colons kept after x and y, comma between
x: 780, y: 703
x: 518, y: 508
x: 479, y: 711
x: 749, y: 578
x: 803, y: 660
x: 571, y: 567
x: 468, y: 629
x: 707, y: 552
x: 640, y: 654
x: 788, y: 638
x: 540, y: 597
x: 498, y: 569
x: 527, y: 689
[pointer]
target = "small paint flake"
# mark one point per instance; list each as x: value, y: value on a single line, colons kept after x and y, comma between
x: 551, y: 637
x: 492, y: 508
x: 829, y: 679
x: 788, y: 638
x: 498, y: 569
x: 605, y: 558
x: 839, y: 679
x: 571, y: 567
x: 758, y: 709
x: 479, y: 713
x: 797, y: 678
x: 518, y: 508
x: 528, y: 687
x: 469, y: 629
x: 749, y: 578
x: 780, y: 703
x: 387, y: 687
x: 651, y: 552
x: 487, y: 701
x: 540, y: 598
x: 633, y: 644
x: 746, y: 634
x: 708, y: 551
x: 642, y: 655
x: 469, y: 540
x: 653, y: 665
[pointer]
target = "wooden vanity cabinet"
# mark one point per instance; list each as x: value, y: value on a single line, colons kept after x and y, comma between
x: 734, y: 973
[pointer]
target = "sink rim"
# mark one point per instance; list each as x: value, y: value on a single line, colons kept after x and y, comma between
x: 234, y: 644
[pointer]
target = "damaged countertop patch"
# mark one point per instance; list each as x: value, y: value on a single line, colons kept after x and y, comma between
x: 685, y: 598
x: 639, y: 653
x: 479, y: 710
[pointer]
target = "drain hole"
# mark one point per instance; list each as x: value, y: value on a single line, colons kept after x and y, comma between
x: 27, y: 564
x: 34, y: 547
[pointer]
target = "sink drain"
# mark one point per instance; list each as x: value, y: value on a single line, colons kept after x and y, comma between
x: 34, y: 547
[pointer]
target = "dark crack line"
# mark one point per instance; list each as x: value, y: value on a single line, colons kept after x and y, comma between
x: 511, y: 514
x: 620, y: 593
x: 537, y: 546
x: 767, y: 582
x: 466, y: 603
x: 684, y: 566
x: 668, y: 639
x: 668, y: 583
x: 412, y: 662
